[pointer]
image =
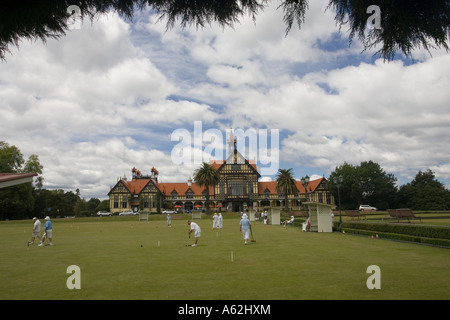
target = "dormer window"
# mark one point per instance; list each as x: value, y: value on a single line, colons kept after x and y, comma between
x: 174, y: 194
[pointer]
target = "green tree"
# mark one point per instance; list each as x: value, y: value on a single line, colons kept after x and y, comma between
x: 349, y: 189
x: 158, y: 202
x: 17, y: 202
x: 92, y: 205
x: 377, y: 187
x: 34, y: 166
x: 206, y: 176
x: 286, y: 184
x: 405, y: 24
x: 11, y: 158
x: 80, y: 208
x: 424, y: 193
x: 364, y: 184
x: 103, y: 205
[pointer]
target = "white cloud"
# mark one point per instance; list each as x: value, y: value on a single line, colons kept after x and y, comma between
x: 106, y: 98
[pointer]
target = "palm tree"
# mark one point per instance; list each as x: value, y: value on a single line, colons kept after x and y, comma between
x: 206, y: 176
x: 286, y: 184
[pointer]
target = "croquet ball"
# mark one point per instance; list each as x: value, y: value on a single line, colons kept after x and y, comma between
x: 141, y: 245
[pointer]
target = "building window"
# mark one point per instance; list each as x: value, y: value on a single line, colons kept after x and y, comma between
x: 116, y: 202
x: 124, y: 203
x: 174, y: 195
x: 328, y: 198
x: 236, y: 167
x: 237, y: 188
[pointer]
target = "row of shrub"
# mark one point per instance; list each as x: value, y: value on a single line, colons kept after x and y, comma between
x: 434, y: 235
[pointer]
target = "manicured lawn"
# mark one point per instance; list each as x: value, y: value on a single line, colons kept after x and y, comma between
x: 122, y: 258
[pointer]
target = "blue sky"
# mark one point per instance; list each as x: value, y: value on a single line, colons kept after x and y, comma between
x: 107, y: 97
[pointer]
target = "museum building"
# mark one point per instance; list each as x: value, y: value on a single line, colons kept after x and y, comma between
x: 238, y: 189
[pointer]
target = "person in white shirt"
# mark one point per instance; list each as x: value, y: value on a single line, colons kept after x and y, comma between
x: 245, y: 226
x: 215, y: 221
x: 36, y: 231
x: 169, y: 220
x: 197, y: 231
x: 220, y: 221
x: 286, y: 222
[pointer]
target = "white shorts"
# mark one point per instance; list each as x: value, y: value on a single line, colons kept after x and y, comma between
x: 246, y: 233
x: 36, y: 233
x: 197, y: 234
x: 49, y: 233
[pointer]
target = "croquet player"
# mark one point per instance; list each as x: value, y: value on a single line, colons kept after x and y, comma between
x: 215, y: 221
x: 244, y: 227
x: 36, y: 231
x: 196, y: 229
x: 47, y: 232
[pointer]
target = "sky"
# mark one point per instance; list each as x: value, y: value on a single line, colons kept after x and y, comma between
x: 115, y: 94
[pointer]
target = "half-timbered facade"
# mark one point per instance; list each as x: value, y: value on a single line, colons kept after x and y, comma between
x: 238, y: 189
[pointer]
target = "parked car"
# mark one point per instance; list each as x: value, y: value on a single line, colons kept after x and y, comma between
x: 103, y: 213
x: 169, y: 211
x: 127, y: 213
x: 366, y: 207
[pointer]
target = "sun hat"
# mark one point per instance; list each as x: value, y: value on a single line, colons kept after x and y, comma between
x: 47, y: 218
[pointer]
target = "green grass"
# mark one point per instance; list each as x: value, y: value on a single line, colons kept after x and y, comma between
x: 281, y: 264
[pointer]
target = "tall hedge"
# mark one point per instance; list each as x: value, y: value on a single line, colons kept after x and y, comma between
x: 433, y: 235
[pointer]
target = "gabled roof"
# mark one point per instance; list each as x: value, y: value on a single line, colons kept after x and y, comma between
x: 272, y: 186
x: 218, y: 164
x: 182, y: 188
x: 312, y: 185
x: 134, y: 186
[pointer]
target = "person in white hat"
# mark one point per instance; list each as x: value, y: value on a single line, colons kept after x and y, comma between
x: 244, y: 227
x: 48, y: 230
x: 36, y: 231
x: 286, y: 222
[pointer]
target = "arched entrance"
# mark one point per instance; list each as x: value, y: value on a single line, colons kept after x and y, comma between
x: 188, y: 206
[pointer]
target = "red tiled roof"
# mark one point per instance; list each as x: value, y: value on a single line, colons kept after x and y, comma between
x: 135, y: 186
x: 181, y: 188
x: 272, y: 186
